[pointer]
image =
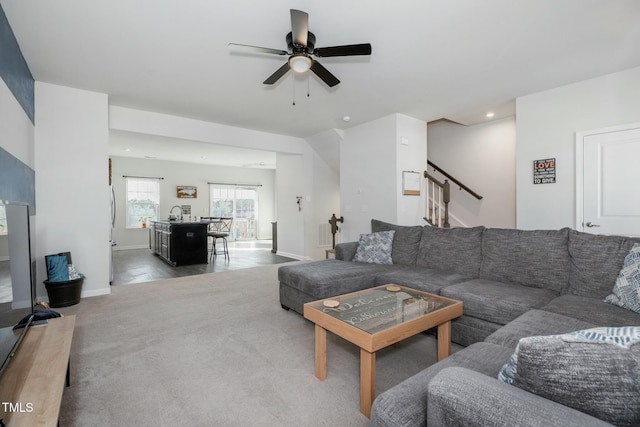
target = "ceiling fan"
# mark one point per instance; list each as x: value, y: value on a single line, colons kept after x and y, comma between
x: 301, y: 45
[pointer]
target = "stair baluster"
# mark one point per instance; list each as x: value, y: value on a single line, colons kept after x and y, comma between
x: 438, y: 197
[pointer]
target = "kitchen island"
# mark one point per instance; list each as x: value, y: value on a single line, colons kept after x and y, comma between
x: 179, y: 242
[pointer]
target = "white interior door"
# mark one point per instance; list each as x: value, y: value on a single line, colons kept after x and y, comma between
x: 608, y: 166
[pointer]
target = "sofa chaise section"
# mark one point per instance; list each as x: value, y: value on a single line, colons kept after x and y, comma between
x: 306, y: 282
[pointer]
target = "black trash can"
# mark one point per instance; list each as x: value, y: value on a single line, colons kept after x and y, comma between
x: 64, y: 293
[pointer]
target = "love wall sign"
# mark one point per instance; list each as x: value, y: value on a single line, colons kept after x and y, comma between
x: 544, y: 171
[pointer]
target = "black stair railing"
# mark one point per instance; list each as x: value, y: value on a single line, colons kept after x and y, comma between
x: 458, y: 183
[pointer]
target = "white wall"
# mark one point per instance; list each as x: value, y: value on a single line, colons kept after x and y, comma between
x: 16, y: 129
x: 290, y: 184
x: 323, y: 160
x: 546, y: 124
x: 72, y: 187
x: 177, y: 173
x: 372, y: 159
x: 482, y: 157
x: 411, y: 155
x: 368, y: 176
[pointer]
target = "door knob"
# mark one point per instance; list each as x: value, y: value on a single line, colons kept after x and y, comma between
x: 589, y: 224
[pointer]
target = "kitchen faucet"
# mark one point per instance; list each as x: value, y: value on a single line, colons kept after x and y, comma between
x: 171, y: 211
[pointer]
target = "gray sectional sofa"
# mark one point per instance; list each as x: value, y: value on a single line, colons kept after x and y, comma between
x: 514, y: 284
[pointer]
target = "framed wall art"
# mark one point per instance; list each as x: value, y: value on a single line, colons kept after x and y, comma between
x: 410, y: 183
x: 187, y: 192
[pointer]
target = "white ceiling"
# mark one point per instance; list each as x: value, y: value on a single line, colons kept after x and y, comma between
x: 431, y: 59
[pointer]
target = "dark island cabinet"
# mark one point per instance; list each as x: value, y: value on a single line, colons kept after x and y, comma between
x: 179, y: 243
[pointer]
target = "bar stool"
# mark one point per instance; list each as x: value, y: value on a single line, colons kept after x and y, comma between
x: 211, y: 230
x: 222, y: 230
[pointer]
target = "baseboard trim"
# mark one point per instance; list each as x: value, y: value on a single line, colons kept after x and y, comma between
x: 95, y: 292
x: 294, y: 256
x: 124, y: 248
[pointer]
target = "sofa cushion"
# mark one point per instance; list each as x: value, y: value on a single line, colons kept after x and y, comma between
x: 626, y: 291
x: 405, y: 241
x: 592, y: 310
x: 595, y: 371
x: 536, y: 322
x: 451, y: 249
x: 537, y: 258
x: 497, y: 302
x: 346, y: 251
x: 467, y: 330
x: 595, y: 262
x: 422, y: 279
x: 375, y: 248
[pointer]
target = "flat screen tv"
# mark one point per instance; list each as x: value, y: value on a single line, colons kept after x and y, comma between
x: 17, y: 287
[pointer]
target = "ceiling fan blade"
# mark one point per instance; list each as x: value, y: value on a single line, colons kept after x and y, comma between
x: 258, y: 49
x: 346, y: 50
x: 299, y: 27
x: 324, y: 74
x: 276, y: 76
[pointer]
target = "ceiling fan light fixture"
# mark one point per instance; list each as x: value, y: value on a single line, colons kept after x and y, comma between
x: 300, y: 63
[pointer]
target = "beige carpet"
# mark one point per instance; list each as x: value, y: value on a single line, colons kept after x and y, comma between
x: 215, y: 350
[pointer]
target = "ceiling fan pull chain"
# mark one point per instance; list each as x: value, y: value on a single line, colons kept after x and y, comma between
x: 293, y: 87
x: 308, y: 86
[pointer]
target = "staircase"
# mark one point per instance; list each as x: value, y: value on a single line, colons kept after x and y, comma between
x: 439, y: 196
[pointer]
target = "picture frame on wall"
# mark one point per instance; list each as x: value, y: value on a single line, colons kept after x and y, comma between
x: 187, y: 192
x: 410, y: 183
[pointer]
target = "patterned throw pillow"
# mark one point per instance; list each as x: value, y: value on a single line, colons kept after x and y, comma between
x: 594, y: 371
x: 626, y: 291
x: 375, y: 248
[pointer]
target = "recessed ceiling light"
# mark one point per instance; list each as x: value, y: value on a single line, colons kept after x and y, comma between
x: 490, y: 114
x: 346, y: 118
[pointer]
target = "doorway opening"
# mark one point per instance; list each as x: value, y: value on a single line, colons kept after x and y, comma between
x: 239, y: 203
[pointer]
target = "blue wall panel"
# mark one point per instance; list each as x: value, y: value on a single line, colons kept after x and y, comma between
x: 14, y: 69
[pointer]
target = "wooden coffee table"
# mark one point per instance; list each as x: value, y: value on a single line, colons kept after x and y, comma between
x: 377, y: 318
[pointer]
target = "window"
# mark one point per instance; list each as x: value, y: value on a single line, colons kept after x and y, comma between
x: 3, y: 220
x: 239, y: 203
x: 143, y: 199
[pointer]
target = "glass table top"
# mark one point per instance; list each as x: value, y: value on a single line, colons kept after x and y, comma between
x: 376, y: 309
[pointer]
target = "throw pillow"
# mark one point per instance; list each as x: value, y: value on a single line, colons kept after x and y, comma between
x: 57, y: 268
x: 595, y: 371
x: 375, y: 248
x: 626, y: 291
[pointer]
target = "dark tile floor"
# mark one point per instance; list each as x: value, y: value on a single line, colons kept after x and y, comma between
x: 141, y: 265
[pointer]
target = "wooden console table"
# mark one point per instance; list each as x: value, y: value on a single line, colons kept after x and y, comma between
x: 35, y: 379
